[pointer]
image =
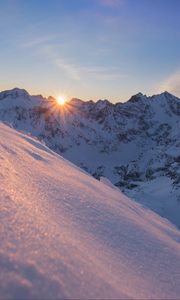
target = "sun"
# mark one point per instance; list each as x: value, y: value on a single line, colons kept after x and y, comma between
x: 61, y: 100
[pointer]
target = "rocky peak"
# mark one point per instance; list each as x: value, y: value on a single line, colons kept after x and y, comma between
x: 76, y: 102
x: 136, y: 98
x: 14, y: 93
x: 101, y: 104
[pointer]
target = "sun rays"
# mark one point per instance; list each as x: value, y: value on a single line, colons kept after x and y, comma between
x: 61, y: 108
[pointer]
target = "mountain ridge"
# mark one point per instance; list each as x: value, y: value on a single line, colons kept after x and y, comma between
x: 20, y: 91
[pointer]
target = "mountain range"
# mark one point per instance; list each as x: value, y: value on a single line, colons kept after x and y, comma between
x: 136, y: 144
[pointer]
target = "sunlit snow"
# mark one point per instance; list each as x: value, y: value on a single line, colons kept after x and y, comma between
x: 66, y: 235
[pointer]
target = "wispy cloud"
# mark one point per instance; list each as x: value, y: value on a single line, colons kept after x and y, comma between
x: 171, y: 84
x: 79, y: 72
x: 48, y: 46
x: 71, y: 69
x: 51, y: 53
x: 40, y: 40
x: 103, y: 73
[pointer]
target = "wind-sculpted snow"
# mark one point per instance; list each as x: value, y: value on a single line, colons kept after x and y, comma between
x: 66, y: 235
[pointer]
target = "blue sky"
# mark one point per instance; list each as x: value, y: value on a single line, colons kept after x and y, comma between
x: 90, y: 49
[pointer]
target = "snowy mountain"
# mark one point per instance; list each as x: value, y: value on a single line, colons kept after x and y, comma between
x: 65, y: 235
x: 136, y: 144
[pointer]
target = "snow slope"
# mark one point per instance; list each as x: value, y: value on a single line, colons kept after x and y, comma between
x: 66, y: 235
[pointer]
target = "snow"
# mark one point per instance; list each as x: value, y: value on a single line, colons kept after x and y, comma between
x: 165, y: 200
x: 66, y: 235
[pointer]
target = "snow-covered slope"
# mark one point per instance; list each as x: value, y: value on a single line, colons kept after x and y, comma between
x: 136, y: 144
x: 66, y: 235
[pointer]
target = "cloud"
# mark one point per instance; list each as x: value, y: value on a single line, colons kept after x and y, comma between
x: 103, y: 73
x: 48, y: 47
x: 79, y: 72
x: 70, y: 69
x: 171, y: 84
x: 51, y: 54
x: 40, y: 40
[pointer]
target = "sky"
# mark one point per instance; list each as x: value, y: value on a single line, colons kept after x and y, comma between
x: 90, y: 49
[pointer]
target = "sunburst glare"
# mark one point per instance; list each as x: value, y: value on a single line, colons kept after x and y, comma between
x: 61, y: 100
x: 61, y: 107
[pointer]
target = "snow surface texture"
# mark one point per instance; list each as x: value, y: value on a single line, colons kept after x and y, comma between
x: 136, y: 144
x: 66, y: 235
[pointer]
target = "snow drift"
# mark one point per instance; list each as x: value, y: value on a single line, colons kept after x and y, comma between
x: 66, y: 235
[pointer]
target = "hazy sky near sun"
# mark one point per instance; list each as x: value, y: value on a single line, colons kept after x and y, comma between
x: 90, y: 49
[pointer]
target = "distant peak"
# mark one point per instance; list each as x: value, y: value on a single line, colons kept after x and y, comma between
x: 76, y: 102
x: 103, y: 103
x: 50, y: 98
x: 139, y: 94
x: 137, y: 97
x: 19, y: 91
x: 15, y: 92
x: 165, y: 93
